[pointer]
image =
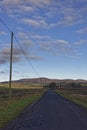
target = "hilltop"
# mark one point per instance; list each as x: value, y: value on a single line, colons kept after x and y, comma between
x: 44, y: 80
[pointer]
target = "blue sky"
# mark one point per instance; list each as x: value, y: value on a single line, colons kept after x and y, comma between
x: 53, y: 35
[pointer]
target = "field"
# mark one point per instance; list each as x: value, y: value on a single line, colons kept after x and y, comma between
x: 20, y: 99
x: 78, y: 96
x: 20, y: 85
x: 17, y: 89
x: 25, y: 94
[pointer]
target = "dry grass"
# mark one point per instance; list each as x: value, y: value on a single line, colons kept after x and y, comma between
x: 22, y: 86
x: 78, y: 96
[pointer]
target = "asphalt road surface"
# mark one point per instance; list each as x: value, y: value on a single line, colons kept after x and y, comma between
x: 51, y: 112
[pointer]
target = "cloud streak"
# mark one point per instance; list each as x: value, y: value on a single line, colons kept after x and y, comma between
x: 53, y: 14
x: 39, y: 3
x: 67, y: 13
x: 35, y: 22
x: 81, y: 42
x: 82, y: 31
x: 17, y: 56
x: 2, y: 33
x: 5, y: 55
x: 56, y: 46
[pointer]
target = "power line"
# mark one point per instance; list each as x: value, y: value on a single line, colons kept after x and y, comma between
x: 5, y: 25
x: 27, y: 58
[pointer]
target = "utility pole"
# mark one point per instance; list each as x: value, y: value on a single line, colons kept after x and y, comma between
x: 10, y: 76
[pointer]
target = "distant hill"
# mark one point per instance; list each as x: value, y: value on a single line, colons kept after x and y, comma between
x: 47, y: 81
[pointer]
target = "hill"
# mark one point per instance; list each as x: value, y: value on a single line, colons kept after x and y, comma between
x: 44, y: 80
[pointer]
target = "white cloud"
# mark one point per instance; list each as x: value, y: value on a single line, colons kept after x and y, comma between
x: 40, y: 37
x: 71, y: 16
x: 34, y: 57
x: 5, y: 55
x: 17, y: 55
x: 38, y: 3
x: 45, y: 46
x: 65, y: 11
x: 81, y: 1
x: 2, y: 33
x: 25, y: 39
x: 27, y: 43
x: 35, y: 23
x: 23, y: 35
x: 62, y: 42
x: 83, y: 30
x: 67, y: 20
x: 31, y: 22
x: 26, y: 8
x: 10, y: 2
x: 56, y: 46
x: 81, y: 42
x: 63, y: 46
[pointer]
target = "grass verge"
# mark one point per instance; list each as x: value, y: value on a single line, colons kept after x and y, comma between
x: 13, y: 109
x: 76, y: 97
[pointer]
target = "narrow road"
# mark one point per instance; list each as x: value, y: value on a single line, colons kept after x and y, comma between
x: 51, y: 112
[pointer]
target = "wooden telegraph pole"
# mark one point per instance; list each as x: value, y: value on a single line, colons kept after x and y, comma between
x: 10, y: 76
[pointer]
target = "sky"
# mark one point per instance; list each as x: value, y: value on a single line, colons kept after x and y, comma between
x: 52, y: 35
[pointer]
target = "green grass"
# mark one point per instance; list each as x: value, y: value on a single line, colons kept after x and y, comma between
x: 13, y: 109
x: 77, y: 96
